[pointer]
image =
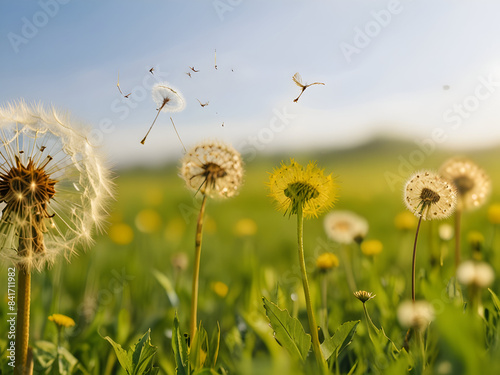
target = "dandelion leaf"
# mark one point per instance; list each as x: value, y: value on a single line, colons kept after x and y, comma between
x: 180, y: 350
x: 142, y: 354
x: 288, y: 331
x: 198, y: 349
x: 121, y: 354
x: 213, y: 351
x: 340, y: 339
x: 495, y: 299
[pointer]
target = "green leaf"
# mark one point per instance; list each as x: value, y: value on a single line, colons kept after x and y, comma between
x: 142, y: 354
x: 198, y: 349
x: 495, y: 299
x: 288, y: 331
x: 167, y: 285
x: 340, y: 339
x: 180, y: 350
x: 213, y: 350
x: 122, y: 355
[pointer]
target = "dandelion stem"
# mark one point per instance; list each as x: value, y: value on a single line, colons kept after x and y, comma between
x: 312, y: 321
x: 324, y: 294
x: 23, y: 320
x: 348, y: 270
x: 196, y: 270
x: 415, y: 258
x: 458, y: 217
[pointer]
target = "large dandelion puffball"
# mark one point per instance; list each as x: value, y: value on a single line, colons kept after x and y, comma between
x: 54, y: 186
x: 167, y: 98
x: 213, y: 168
x: 472, y: 183
x: 415, y: 314
x: 428, y: 195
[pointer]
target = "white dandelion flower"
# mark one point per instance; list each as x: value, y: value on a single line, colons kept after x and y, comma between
x: 472, y: 183
x: 428, y: 195
x: 213, y: 168
x: 345, y: 227
x: 415, y: 314
x: 479, y: 274
x: 54, y: 186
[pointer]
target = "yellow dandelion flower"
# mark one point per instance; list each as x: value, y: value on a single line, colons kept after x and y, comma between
x: 220, y: 288
x: 121, y: 233
x: 363, y: 295
x: 371, y: 247
x: 245, y: 227
x: 475, y: 238
x: 494, y: 213
x: 148, y: 221
x: 327, y: 261
x: 405, y: 221
x: 293, y: 186
x: 472, y: 183
x: 62, y: 320
x: 429, y: 196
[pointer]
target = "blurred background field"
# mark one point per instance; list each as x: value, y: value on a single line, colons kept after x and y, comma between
x: 126, y: 283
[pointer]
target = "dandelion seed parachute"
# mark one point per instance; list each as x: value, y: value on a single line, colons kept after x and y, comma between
x: 61, y: 183
x: 168, y: 98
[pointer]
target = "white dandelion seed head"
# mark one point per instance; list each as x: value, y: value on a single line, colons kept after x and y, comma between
x: 480, y: 274
x: 472, y: 183
x: 168, y: 98
x: 62, y: 182
x: 213, y: 168
x: 428, y: 195
x: 345, y: 226
x: 417, y: 315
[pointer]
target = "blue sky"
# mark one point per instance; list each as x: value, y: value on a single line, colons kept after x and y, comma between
x: 420, y: 69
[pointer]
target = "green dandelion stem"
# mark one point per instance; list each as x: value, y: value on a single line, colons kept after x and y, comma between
x: 348, y: 269
x: 196, y: 270
x: 369, y: 320
x: 324, y: 295
x: 312, y: 321
x: 458, y: 217
x: 415, y: 258
x: 23, y: 319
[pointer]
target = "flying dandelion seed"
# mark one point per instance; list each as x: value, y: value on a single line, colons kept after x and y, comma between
x: 215, y: 59
x: 193, y: 69
x: 152, y: 70
x: 298, y: 81
x: 167, y: 99
x: 54, y: 190
x: 203, y: 104
x: 119, y: 89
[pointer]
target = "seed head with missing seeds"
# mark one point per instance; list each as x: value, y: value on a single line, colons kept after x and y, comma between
x: 213, y: 168
x: 364, y: 296
x: 54, y: 186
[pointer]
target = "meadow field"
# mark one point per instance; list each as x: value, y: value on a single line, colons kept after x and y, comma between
x: 137, y: 276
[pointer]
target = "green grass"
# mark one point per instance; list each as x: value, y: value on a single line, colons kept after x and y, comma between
x: 111, y: 289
